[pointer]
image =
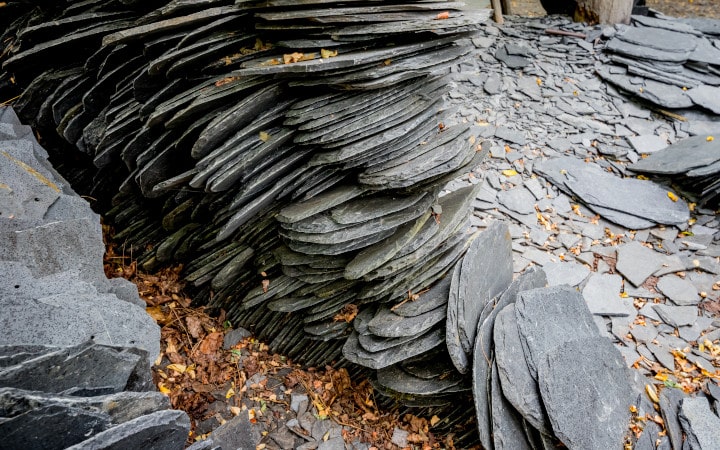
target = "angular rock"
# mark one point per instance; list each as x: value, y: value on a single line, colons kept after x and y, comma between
x: 600, y: 412
x: 700, y: 424
x: 162, y: 430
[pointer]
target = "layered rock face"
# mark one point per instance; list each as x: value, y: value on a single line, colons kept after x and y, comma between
x: 75, y: 347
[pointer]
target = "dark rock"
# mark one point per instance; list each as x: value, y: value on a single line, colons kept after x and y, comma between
x: 519, y: 387
x: 700, y: 424
x: 670, y: 400
x: 507, y: 424
x: 162, y: 430
x: 600, y: 412
x: 541, y: 317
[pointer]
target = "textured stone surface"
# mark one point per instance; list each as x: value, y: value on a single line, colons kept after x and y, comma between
x: 600, y: 411
x: 542, y: 316
x: 700, y: 424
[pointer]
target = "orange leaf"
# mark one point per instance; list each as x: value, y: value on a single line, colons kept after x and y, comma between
x: 211, y: 343
x: 443, y: 15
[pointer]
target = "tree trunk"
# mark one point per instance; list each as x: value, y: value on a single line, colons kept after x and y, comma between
x: 604, y: 11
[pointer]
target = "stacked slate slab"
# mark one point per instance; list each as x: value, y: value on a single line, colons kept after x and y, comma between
x: 691, y: 164
x: 668, y: 62
x: 75, y: 347
x: 291, y: 157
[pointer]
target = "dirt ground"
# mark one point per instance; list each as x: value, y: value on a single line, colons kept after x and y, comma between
x: 687, y: 8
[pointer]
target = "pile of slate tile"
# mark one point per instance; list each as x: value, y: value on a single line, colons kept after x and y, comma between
x: 630, y: 202
x: 668, y: 62
x: 291, y: 157
x: 75, y: 347
x: 692, y: 164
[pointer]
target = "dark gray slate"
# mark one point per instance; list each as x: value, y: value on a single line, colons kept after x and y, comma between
x: 681, y: 157
x: 51, y: 427
x: 398, y: 380
x: 602, y: 294
x: 568, y: 273
x: 670, y: 400
x: 700, y: 424
x: 677, y: 316
x: 86, y: 366
x: 354, y: 353
x: 637, y: 262
x: 433, y: 298
x: 388, y: 324
x: 160, y: 430
x: 507, y: 424
x: 632, y: 203
x: 680, y: 291
x: 485, y: 273
x: 543, y: 316
x: 587, y: 392
x: 707, y: 97
x: 70, y: 319
x: 518, y: 385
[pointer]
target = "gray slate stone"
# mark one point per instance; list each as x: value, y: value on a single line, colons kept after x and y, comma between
x: 677, y: 316
x: 707, y: 97
x: 518, y: 385
x: 568, y: 273
x: 602, y: 294
x: 587, y: 392
x: 700, y: 424
x: 679, y: 291
x: 490, y: 254
x: 160, y: 430
x: 637, y: 262
x: 542, y: 317
x: 670, y: 400
x: 507, y: 424
x: 518, y: 199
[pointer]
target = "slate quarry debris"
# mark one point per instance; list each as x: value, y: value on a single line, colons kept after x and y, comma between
x: 75, y: 347
x: 265, y: 168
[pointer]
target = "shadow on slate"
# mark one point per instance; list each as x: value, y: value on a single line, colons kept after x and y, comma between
x: 632, y: 203
x: 542, y: 381
x: 262, y: 142
x: 691, y: 165
x: 75, y: 347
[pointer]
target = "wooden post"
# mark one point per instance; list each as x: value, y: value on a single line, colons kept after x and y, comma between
x: 497, y: 8
x: 604, y: 11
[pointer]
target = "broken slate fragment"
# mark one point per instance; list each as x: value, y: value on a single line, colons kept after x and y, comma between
x: 637, y: 262
x: 518, y: 385
x: 677, y: 316
x: 700, y: 424
x: 596, y: 415
x: 542, y: 318
x: 567, y: 273
x: 602, y: 294
x: 679, y: 291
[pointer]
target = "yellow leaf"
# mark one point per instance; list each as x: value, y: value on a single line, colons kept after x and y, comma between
x: 633, y: 409
x: 230, y: 393
x: 434, y: 421
x: 661, y: 377
x: 710, y: 139
x: 672, y: 196
x: 538, y: 81
x: 264, y: 136
x: 163, y: 389
x: 179, y: 368
x: 642, y: 177
x: 509, y: 172
x: 328, y: 53
x: 652, y: 393
x: 624, y: 295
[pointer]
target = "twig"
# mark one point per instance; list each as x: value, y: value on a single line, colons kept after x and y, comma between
x: 555, y: 32
x: 8, y: 101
